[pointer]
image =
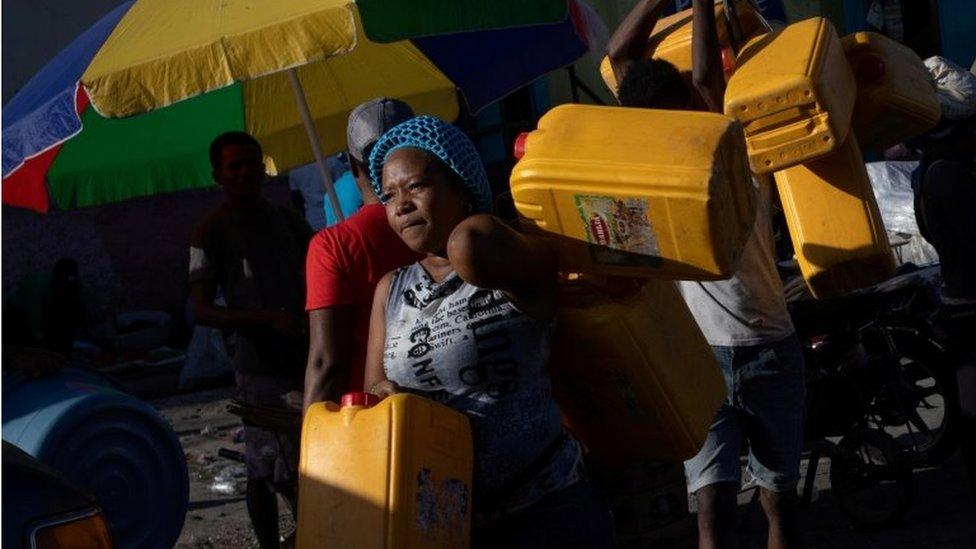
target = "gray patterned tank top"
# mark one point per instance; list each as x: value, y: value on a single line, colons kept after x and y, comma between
x: 473, y: 350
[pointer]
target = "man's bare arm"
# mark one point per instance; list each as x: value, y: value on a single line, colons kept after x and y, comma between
x: 629, y: 41
x: 206, y: 313
x: 706, y: 56
x: 330, y: 353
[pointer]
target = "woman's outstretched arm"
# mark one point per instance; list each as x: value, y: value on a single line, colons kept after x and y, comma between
x: 487, y: 253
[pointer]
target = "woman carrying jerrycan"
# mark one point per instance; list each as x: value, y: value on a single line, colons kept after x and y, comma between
x: 484, y: 298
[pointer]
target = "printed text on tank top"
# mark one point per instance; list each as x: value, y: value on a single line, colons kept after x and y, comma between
x: 494, y: 373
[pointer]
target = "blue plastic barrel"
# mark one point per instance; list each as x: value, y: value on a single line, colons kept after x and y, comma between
x: 109, y: 443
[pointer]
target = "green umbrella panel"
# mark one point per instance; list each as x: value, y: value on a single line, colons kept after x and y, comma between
x: 165, y: 150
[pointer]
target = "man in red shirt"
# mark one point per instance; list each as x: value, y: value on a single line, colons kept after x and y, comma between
x: 344, y: 264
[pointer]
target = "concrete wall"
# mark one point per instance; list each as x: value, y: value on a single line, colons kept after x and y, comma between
x: 132, y: 255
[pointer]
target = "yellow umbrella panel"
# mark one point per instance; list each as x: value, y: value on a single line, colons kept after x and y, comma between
x: 163, y: 51
x: 226, y: 57
x: 334, y: 87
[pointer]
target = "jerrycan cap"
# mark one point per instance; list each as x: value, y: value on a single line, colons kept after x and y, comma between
x: 518, y: 148
x: 359, y: 399
x: 728, y: 61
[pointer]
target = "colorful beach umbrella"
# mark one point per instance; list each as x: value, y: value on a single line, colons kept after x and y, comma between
x: 199, y: 80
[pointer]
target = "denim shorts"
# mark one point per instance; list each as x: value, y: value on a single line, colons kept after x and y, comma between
x: 268, y: 455
x: 764, y: 408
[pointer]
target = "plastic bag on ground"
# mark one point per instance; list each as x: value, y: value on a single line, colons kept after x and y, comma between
x: 206, y: 357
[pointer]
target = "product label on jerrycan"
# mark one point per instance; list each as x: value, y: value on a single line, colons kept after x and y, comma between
x: 442, y: 506
x: 618, y: 230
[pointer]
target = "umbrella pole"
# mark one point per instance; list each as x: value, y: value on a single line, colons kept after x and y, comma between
x: 313, y: 140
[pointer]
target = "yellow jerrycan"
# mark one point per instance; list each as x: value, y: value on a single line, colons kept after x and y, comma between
x: 838, y: 236
x: 670, y: 39
x: 396, y: 473
x: 794, y: 92
x: 637, y: 192
x: 633, y: 375
x: 896, y: 99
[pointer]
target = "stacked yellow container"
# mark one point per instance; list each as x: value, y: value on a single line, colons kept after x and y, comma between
x: 795, y: 93
x: 380, y: 475
x: 637, y: 192
x: 670, y: 39
x: 838, y: 235
x: 634, y: 376
x: 896, y: 98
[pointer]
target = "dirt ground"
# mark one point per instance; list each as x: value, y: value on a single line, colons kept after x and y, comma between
x: 942, y: 515
x: 217, y: 515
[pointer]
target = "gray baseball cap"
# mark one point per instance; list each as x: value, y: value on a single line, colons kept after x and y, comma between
x: 370, y: 120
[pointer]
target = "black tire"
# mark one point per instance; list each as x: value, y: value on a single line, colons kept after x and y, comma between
x: 925, y: 375
x: 869, y: 479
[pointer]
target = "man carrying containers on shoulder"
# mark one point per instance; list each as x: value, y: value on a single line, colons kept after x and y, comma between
x: 744, y: 318
x: 344, y: 264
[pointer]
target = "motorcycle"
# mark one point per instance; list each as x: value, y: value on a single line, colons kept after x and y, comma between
x: 881, y: 393
x: 885, y: 340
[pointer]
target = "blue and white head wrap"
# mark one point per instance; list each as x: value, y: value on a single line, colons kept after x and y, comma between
x: 444, y: 141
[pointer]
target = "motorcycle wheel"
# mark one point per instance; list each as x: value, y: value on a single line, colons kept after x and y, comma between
x: 869, y: 479
x: 919, y: 407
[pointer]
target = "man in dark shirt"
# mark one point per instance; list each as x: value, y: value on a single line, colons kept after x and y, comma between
x: 254, y: 251
x: 945, y: 202
x: 945, y: 208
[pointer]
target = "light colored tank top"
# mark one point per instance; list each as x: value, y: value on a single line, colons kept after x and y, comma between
x: 473, y: 350
x: 748, y: 308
